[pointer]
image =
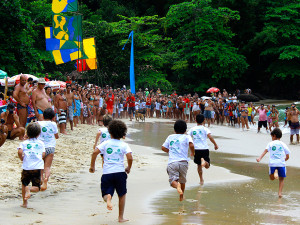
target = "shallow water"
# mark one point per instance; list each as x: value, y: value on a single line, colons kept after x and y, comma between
x: 249, y: 202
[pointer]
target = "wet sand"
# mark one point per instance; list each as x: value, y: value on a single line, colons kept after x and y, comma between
x: 74, y: 194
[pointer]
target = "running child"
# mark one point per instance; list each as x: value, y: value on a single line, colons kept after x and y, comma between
x: 199, y: 135
x: 114, y: 174
x: 31, y: 152
x: 49, y: 133
x: 279, y: 153
x: 177, y: 145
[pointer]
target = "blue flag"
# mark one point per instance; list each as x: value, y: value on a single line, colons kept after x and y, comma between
x: 132, y: 78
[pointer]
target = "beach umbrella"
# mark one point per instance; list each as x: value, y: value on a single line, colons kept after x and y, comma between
x: 10, y: 82
x: 62, y: 84
x: 55, y: 85
x: 17, y: 77
x: 3, y: 74
x: 213, y: 90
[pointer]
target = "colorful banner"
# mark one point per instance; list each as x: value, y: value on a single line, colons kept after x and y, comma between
x: 66, y: 55
x: 86, y: 64
x: 59, y: 6
x: 67, y: 27
x: 131, y: 70
x: 89, y: 48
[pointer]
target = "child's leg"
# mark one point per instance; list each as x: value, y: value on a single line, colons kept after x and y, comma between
x: 48, y: 163
x: 107, y: 198
x: 121, y: 208
x: 200, y: 172
x: 281, y: 179
x: 25, y: 195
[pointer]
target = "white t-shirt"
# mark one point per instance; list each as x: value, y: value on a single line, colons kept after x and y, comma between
x: 33, y: 154
x: 113, y: 152
x: 101, y: 102
x: 105, y: 135
x: 178, y: 145
x: 195, y: 107
x: 278, y: 151
x: 199, y: 135
x: 48, y: 130
x: 121, y: 107
x: 143, y: 105
x: 157, y: 105
x: 137, y: 105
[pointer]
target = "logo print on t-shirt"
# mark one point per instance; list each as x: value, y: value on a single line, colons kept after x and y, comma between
x: 104, y: 135
x: 29, y: 146
x: 172, y: 142
x: 109, y: 151
x: 194, y: 132
x: 44, y: 129
x: 274, y: 148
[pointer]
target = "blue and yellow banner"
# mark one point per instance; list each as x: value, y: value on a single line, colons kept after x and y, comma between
x: 66, y: 55
x: 59, y: 6
x: 67, y: 27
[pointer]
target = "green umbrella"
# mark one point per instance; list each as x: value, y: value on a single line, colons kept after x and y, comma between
x: 3, y: 74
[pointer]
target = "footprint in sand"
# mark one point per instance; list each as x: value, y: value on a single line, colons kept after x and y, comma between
x: 191, y: 200
x: 180, y: 213
x: 199, y: 213
x: 94, y: 214
x: 38, y: 221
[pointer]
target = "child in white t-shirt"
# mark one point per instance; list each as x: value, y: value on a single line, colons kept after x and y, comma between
x: 279, y: 153
x: 114, y: 174
x: 177, y: 145
x: 49, y: 133
x: 31, y: 152
x: 200, y: 134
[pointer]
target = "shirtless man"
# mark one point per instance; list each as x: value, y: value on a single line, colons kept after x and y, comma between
x: 10, y: 117
x: 294, y: 125
x: 3, y: 132
x: 70, y: 101
x: 60, y: 103
x: 40, y: 99
x: 207, y: 111
x: 21, y: 96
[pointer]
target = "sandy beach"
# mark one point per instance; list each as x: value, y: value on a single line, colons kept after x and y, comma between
x: 74, y: 197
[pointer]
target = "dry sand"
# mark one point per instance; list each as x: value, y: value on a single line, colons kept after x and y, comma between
x: 73, y: 195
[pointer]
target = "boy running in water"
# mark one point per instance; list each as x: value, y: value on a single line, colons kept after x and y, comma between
x: 177, y: 145
x: 200, y: 134
x: 31, y: 152
x: 114, y: 174
x: 279, y: 153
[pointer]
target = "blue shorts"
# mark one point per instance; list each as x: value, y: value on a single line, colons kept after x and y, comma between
x: 249, y: 118
x: 281, y: 171
x: 114, y: 181
x: 148, y: 106
x: 207, y: 114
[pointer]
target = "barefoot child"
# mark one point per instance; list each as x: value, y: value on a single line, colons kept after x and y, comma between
x: 114, y: 174
x: 48, y: 135
x: 279, y: 153
x: 31, y: 152
x: 177, y: 145
x: 200, y: 134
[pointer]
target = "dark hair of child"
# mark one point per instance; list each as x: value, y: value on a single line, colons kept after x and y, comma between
x: 106, y: 120
x: 33, y: 130
x: 180, y: 127
x: 277, y: 133
x: 199, y: 118
x: 117, y: 129
x: 49, y: 114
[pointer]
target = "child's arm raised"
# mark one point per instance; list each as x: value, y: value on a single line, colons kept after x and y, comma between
x: 93, y: 160
x: 262, y: 155
x: 20, y: 154
x: 129, y: 162
x: 213, y: 141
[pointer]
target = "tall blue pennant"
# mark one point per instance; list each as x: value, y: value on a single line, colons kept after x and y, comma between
x: 132, y: 77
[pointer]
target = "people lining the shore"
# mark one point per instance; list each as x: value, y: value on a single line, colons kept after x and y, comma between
x: 177, y: 146
x: 279, y: 154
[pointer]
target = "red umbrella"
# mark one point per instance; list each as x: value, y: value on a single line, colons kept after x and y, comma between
x: 213, y: 90
x: 16, y: 78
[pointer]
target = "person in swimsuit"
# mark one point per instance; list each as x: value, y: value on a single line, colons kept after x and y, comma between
x: 40, y: 100
x: 293, y: 114
x: 244, y: 115
x: 274, y: 116
x: 60, y: 103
